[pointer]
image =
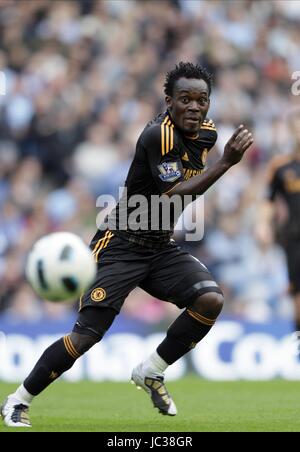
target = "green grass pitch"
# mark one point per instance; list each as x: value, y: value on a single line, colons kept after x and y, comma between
x: 203, y: 406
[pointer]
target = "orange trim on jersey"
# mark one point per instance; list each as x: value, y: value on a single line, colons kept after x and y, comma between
x: 162, y: 128
x: 208, y: 128
x: 167, y: 136
x: 172, y: 137
x: 167, y: 129
x: 208, y: 123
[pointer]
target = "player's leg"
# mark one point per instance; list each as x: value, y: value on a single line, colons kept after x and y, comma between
x: 119, y: 271
x: 89, y: 329
x: 191, y: 327
x: 183, y: 280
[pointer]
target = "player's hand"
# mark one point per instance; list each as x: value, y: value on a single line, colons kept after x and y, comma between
x: 237, y: 145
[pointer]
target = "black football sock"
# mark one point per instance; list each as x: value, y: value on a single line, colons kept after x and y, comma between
x: 183, y: 335
x: 56, y: 359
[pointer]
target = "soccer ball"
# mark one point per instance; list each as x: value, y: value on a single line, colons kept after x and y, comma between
x: 60, y: 267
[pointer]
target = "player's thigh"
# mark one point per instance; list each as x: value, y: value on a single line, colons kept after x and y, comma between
x: 178, y: 277
x: 119, y: 270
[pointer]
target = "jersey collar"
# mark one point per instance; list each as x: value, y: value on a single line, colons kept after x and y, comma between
x: 168, y: 115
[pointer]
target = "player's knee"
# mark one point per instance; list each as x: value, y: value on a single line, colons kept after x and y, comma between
x: 82, y: 342
x: 209, y: 304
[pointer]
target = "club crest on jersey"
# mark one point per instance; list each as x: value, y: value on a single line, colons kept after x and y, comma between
x: 98, y: 294
x: 169, y: 171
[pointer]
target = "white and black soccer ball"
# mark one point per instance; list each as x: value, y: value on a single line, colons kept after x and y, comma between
x: 60, y: 267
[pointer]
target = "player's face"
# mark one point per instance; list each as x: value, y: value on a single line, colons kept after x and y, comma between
x: 189, y: 104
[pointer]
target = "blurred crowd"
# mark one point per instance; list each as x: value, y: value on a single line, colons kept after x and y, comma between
x: 82, y: 79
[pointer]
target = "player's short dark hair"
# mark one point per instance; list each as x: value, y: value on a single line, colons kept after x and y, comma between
x: 187, y: 70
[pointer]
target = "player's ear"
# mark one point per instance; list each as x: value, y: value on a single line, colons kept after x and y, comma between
x: 169, y: 102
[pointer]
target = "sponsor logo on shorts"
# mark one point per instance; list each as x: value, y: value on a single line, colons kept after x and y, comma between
x: 98, y: 294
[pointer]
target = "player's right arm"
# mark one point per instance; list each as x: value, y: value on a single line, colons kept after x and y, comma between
x: 234, y: 151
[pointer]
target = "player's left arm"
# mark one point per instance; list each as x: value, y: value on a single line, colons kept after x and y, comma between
x: 234, y: 151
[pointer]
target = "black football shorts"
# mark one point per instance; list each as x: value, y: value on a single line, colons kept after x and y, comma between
x: 169, y: 274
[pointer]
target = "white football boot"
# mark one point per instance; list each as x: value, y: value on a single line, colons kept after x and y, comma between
x: 155, y: 387
x: 14, y: 413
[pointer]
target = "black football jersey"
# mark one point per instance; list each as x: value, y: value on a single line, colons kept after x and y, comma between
x: 285, y: 182
x: 164, y: 157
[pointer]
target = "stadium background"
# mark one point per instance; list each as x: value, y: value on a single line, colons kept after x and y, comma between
x: 82, y: 79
